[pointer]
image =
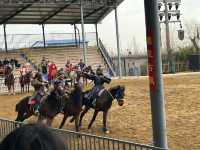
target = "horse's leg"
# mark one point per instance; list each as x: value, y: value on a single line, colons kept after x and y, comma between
x: 13, y: 87
x: 49, y: 121
x: 76, y: 123
x: 9, y: 89
x: 63, y: 121
x: 40, y: 119
x: 105, y: 113
x: 82, y: 115
x: 28, y: 87
x: 93, y: 119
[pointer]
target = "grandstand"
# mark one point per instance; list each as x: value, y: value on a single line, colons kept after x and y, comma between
x: 61, y: 54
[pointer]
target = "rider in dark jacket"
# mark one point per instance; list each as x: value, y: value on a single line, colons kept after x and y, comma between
x: 99, y: 79
x: 39, y: 90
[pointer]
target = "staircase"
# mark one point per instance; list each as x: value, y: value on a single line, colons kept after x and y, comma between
x: 107, y: 58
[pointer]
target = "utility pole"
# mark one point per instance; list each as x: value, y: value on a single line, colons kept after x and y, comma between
x: 168, y: 46
x: 167, y: 13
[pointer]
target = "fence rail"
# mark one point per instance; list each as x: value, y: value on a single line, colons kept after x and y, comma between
x: 81, y: 141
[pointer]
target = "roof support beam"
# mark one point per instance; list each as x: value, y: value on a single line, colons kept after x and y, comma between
x: 17, y: 12
x: 107, y: 11
x: 57, y: 11
x: 89, y: 14
x: 5, y: 37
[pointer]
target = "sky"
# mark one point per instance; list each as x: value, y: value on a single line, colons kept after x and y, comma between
x: 131, y: 24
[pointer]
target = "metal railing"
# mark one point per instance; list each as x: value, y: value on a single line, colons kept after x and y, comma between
x: 106, y: 57
x: 81, y: 141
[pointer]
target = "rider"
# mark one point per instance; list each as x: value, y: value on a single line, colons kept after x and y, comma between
x: 39, y: 93
x: 99, y: 80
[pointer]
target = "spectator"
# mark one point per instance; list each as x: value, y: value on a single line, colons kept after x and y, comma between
x: 81, y: 64
x: 32, y: 137
x: 1, y: 64
x: 68, y: 66
x: 17, y: 65
x: 23, y: 69
x: 44, y: 67
x: 12, y: 63
x: 6, y: 62
x: 52, y: 71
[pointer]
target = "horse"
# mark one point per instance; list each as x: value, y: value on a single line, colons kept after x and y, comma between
x: 49, y: 107
x: 103, y: 103
x: 73, y: 106
x: 53, y: 104
x: 25, y: 81
x: 9, y: 80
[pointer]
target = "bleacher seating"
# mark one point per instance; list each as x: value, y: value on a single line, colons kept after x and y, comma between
x: 61, y: 54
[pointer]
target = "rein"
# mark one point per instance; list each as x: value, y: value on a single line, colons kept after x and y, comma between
x: 110, y: 94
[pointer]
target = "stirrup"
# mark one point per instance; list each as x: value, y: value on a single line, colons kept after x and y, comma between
x: 94, y: 102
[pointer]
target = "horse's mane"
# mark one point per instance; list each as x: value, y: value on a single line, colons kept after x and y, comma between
x: 114, y: 88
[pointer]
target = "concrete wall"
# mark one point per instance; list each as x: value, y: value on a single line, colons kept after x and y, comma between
x: 131, y: 66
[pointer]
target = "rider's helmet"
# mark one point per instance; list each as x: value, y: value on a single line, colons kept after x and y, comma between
x: 99, y: 71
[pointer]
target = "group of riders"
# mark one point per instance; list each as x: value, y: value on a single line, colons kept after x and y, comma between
x: 42, y: 87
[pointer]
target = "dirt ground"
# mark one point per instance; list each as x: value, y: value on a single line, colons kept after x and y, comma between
x: 133, y: 120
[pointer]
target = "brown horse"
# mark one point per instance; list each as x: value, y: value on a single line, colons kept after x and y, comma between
x: 25, y: 81
x: 48, y: 108
x: 9, y: 80
x: 103, y: 103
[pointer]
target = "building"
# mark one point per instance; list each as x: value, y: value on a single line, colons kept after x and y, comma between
x: 131, y: 65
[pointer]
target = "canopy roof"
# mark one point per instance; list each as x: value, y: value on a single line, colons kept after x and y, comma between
x: 54, y: 11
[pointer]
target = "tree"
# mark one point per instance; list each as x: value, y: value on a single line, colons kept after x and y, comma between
x: 192, y: 32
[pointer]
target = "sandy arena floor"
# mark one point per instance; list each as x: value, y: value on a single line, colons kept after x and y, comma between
x: 133, y: 120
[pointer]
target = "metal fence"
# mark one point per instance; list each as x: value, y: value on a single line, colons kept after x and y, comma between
x: 17, y: 41
x: 81, y: 141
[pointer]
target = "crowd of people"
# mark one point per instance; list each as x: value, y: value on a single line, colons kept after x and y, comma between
x: 11, y: 62
x: 50, y: 70
x: 49, y: 73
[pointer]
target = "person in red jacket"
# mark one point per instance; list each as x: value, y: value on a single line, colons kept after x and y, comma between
x: 52, y: 71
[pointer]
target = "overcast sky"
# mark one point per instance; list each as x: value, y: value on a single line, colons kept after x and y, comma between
x: 131, y: 24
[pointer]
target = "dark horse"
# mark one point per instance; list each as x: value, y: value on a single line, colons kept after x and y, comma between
x: 53, y: 104
x: 25, y: 81
x: 9, y: 80
x: 50, y: 106
x: 73, y: 106
x: 103, y: 103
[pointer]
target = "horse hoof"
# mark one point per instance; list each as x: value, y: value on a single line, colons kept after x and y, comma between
x: 107, y: 132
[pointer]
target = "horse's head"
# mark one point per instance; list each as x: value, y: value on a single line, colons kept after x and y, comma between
x: 118, y: 93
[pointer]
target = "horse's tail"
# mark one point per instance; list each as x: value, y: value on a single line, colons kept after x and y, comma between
x: 22, y: 104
